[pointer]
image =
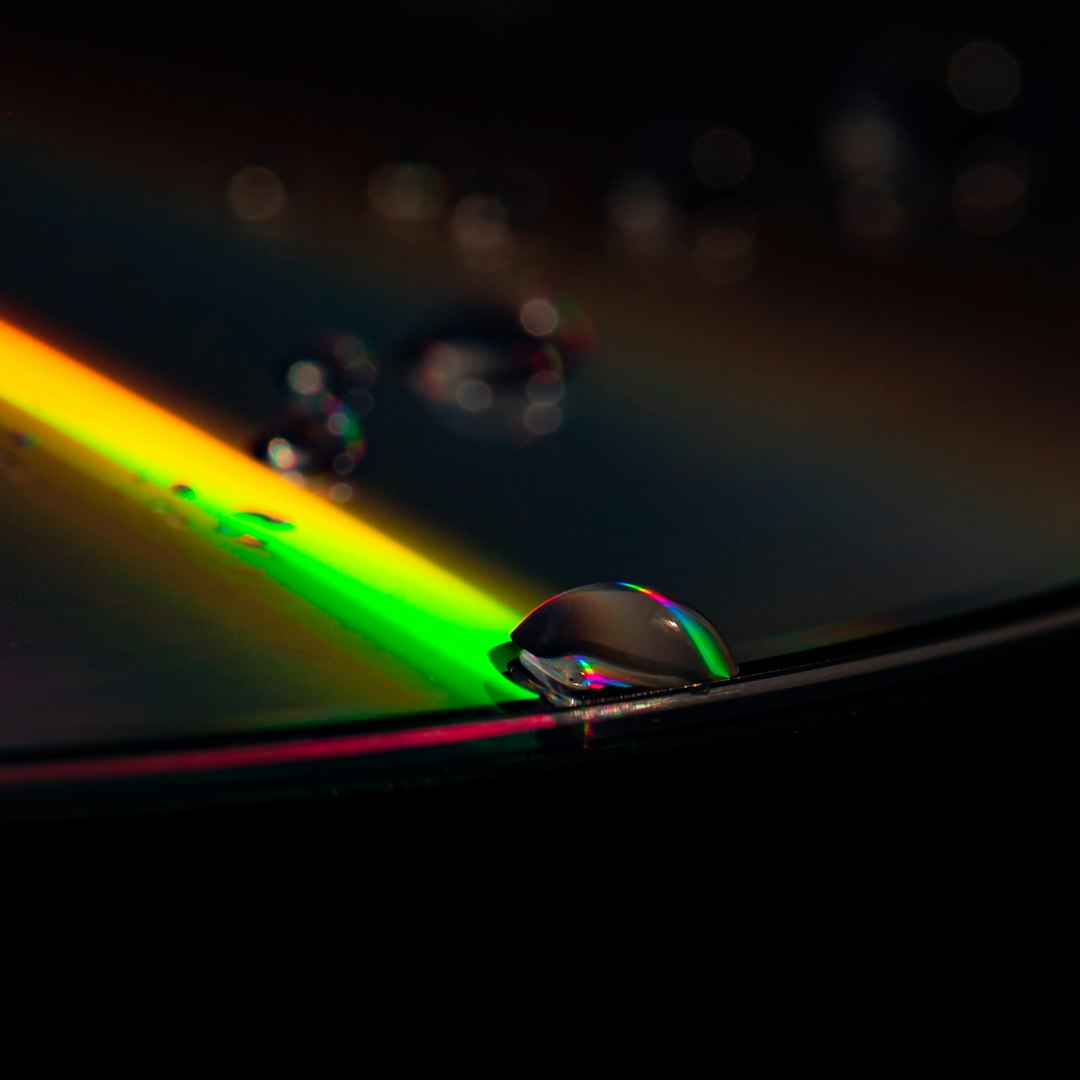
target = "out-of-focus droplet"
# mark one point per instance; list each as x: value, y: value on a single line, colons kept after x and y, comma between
x: 23, y: 440
x: 539, y: 316
x: 991, y: 185
x: 480, y: 230
x: 984, y: 77
x: 725, y: 248
x: 489, y: 376
x: 250, y: 541
x: 256, y: 193
x: 340, y: 493
x: 864, y: 142
x: 722, y: 158
x: 321, y: 429
x: 307, y: 441
x: 183, y: 491
x: 615, y: 636
x: 643, y: 218
x: 408, y: 191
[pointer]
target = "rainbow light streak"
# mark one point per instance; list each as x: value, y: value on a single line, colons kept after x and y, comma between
x: 704, y: 644
x: 439, y: 627
x: 592, y: 679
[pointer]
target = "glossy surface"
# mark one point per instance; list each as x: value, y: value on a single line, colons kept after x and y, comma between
x: 614, y: 635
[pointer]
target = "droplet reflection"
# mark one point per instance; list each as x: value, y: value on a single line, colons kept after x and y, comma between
x: 616, y: 636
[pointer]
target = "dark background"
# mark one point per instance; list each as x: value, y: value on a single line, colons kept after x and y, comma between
x: 182, y: 97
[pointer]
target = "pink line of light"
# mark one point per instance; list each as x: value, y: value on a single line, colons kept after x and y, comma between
x: 211, y: 759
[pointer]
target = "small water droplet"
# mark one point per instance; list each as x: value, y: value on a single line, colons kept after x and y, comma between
x: 250, y: 541
x: 268, y: 521
x: 24, y: 440
x: 340, y: 493
x: 182, y: 491
x: 615, y: 636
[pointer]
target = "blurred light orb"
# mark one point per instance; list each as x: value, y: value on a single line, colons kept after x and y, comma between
x: 641, y: 215
x: 256, y: 193
x: 722, y: 158
x: 474, y: 395
x: 542, y: 418
x: 539, y: 316
x: 305, y: 377
x: 725, y: 248
x: 991, y: 185
x: 863, y: 142
x: 984, y: 77
x: 407, y: 191
x: 480, y: 231
x: 490, y: 374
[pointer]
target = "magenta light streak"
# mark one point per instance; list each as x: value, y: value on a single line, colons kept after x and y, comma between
x: 285, y: 753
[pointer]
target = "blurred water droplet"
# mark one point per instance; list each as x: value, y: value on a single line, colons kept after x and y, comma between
x: 479, y: 227
x: 24, y: 440
x: 722, y: 158
x: 306, y: 441
x: 182, y: 491
x: 250, y: 541
x: 642, y: 216
x: 321, y: 429
x: 340, y: 493
x: 984, y: 77
x: 492, y: 375
x: 256, y: 194
x: 408, y: 191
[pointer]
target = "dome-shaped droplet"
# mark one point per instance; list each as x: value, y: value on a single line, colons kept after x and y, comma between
x: 618, y: 635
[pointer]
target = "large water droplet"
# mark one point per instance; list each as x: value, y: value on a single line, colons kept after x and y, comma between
x: 501, y: 374
x: 614, y: 636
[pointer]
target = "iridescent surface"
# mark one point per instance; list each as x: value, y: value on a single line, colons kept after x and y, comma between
x: 618, y: 635
x: 826, y: 385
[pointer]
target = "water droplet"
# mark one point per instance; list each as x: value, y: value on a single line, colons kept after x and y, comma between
x: 250, y: 541
x: 497, y: 374
x: 24, y: 440
x: 182, y: 491
x: 613, y: 636
x: 340, y: 493
x: 266, y: 520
